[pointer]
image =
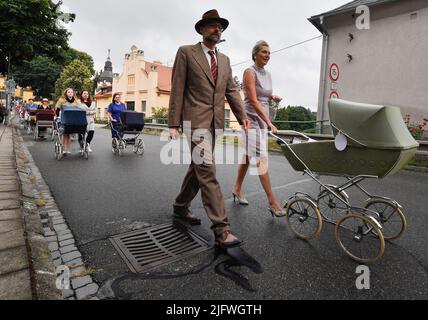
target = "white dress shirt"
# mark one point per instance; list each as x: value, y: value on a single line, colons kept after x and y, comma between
x: 206, y: 49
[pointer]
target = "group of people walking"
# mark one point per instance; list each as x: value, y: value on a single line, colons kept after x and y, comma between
x: 201, y: 80
x: 85, y: 103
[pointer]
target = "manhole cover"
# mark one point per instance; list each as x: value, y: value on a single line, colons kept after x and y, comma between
x: 156, y: 246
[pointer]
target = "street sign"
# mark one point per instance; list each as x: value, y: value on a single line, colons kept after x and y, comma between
x: 10, y: 86
x: 334, y: 72
x: 334, y: 95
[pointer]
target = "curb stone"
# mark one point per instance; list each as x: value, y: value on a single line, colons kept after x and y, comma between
x: 45, y: 237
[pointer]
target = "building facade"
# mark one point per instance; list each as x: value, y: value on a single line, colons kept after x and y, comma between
x: 386, y: 64
x: 143, y: 85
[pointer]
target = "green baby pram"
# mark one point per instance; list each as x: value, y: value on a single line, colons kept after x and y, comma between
x: 371, y: 141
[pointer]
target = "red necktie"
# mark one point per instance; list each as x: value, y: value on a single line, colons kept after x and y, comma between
x: 213, y: 66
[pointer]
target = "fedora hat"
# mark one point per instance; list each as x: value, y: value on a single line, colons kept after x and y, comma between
x: 211, y: 16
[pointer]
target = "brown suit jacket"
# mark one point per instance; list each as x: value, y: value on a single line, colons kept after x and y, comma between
x: 194, y: 95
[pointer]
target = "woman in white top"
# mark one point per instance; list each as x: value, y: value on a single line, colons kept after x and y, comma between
x: 89, y: 106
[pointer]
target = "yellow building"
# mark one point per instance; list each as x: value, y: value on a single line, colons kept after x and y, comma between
x: 143, y: 85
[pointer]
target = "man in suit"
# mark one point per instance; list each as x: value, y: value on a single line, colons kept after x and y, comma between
x: 201, y: 80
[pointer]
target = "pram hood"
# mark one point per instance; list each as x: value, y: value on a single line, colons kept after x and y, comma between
x: 376, y: 126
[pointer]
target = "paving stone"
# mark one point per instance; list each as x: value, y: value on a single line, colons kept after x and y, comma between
x: 10, y: 204
x: 67, y: 293
x: 12, y: 239
x: 67, y: 249
x: 10, y: 225
x: 16, y: 286
x: 55, y: 255
x: 76, y: 272
x: 57, y: 262
x: 71, y: 256
x: 66, y: 242
x: 59, y: 221
x: 49, y: 233
x: 9, y: 195
x: 86, y: 291
x: 9, y: 187
x: 65, y: 237
x: 64, y: 232
x: 74, y: 263
x: 53, y: 246
x: 13, y: 259
x: 10, y: 214
x: 60, y: 227
x: 54, y: 213
x: 80, y: 282
x: 51, y: 239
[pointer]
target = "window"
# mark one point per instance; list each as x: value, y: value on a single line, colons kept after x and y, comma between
x: 131, y: 79
x: 143, y: 107
x: 130, y: 105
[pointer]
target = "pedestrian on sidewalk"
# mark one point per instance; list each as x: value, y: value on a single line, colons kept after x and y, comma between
x: 201, y: 80
x: 258, y: 94
x: 68, y: 99
x: 86, y: 104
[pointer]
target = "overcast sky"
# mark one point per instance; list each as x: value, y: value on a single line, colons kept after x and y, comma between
x: 159, y: 27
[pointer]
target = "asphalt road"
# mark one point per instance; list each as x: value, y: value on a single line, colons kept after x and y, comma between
x: 108, y: 195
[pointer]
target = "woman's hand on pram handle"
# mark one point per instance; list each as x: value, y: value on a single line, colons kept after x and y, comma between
x: 272, y: 128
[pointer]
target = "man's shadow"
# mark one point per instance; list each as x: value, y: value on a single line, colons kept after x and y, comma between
x: 237, y: 257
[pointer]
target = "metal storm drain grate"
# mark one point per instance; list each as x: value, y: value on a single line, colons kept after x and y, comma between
x: 156, y: 246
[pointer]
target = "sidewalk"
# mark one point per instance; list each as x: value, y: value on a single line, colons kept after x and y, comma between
x: 15, y: 282
x: 26, y: 267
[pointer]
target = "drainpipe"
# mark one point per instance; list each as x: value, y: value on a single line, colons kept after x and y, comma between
x: 323, y: 75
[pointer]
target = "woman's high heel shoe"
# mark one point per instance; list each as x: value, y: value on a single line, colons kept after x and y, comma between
x: 242, y: 201
x: 279, y: 214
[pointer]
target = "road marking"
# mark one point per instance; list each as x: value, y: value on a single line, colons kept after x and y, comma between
x: 275, y: 188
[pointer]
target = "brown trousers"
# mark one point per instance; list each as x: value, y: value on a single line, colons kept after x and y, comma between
x: 201, y: 175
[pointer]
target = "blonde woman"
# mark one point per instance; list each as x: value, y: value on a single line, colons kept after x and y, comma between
x: 68, y: 99
x: 258, y: 93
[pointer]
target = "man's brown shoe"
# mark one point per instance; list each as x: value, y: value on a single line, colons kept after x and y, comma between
x: 187, y: 217
x: 227, y: 240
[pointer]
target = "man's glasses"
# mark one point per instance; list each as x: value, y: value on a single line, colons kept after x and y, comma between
x: 215, y: 25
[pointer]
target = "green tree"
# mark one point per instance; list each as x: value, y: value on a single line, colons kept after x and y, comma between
x: 40, y: 74
x: 76, y: 76
x: 295, y: 113
x: 29, y: 28
x: 159, y: 113
x: 72, y: 54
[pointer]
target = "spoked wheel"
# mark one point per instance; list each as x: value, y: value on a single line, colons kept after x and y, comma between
x: 121, y: 147
x: 58, y: 151
x: 360, y: 238
x: 115, y: 146
x: 36, y: 133
x: 86, y: 152
x: 331, y: 208
x: 139, y: 147
x: 391, y: 218
x: 303, y: 217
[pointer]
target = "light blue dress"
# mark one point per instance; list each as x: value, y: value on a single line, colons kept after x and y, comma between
x: 258, y: 133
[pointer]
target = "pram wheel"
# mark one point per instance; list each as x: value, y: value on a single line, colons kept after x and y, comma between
x: 331, y: 208
x: 139, y: 147
x: 303, y: 217
x: 360, y: 238
x: 115, y: 146
x: 390, y: 217
x: 121, y: 147
x: 58, y: 151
